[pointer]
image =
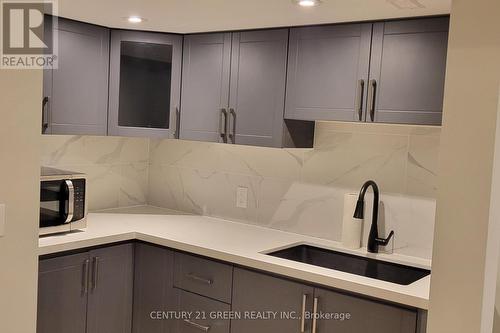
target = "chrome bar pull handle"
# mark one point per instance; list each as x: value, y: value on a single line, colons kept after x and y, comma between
x: 232, y: 125
x: 303, y: 317
x: 95, y: 272
x: 71, y: 201
x: 195, y: 277
x: 359, y: 98
x: 223, y: 124
x: 372, y: 99
x: 315, y: 315
x: 197, y: 326
x: 85, y: 279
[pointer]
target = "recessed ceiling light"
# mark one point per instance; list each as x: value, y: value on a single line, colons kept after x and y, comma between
x: 307, y: 3
x: 135, y: 19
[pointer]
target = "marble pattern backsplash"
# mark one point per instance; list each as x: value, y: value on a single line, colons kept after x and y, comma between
x: 117, y: 167
x: 296, y: 190
x: 302, y: 190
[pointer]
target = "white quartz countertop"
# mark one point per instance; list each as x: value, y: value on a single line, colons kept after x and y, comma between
x: 240, y: 244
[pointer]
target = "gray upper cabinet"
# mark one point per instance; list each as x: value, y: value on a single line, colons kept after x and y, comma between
x: 76, y: 93
x: 205, y: 86
x: 258, y: 292
x: 153, y: 288
x: 62, y: 294
x: 234, y: 87
x: 408, y: 71
x: 257, y: 93
x: 110, y: 290
x: 365, y: 315
x: 327, y: 72
x: 144, y: 87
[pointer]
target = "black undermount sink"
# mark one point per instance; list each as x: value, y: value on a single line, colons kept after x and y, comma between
x: 376, y: 269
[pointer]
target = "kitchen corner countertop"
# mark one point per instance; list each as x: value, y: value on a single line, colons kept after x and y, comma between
x: 237, y: 243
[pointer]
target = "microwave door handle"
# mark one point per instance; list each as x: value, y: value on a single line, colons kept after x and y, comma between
x: 71, y: 201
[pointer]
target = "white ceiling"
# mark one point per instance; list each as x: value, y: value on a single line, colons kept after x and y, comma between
x: 185, y: 16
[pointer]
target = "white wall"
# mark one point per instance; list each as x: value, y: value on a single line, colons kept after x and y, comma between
x: 21, y: 94
x: 466, y: 168
x: 491, y: 300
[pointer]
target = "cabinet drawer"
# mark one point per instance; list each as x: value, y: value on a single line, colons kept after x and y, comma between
x: 203, y: 316
x: 204, y: 277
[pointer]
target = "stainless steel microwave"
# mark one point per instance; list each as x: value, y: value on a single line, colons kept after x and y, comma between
x: 63, y: 201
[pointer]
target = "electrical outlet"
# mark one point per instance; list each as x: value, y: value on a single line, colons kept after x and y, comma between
x: 242, y: 197
x: 2, y: 220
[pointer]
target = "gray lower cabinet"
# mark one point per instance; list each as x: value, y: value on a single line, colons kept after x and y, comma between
x: 62, y: 294
x: 364, y: 315
x: 144, y: 84
x: 76, y: 92
x: 234, y: 87
x: 407, y: 73
x: 111, y: 290
x: 292, y: 301
x: 258, y: 293
x: 90, y: 292
x: 257, y: 93
x: 328, y: 72
x: 205, y: 86
x: 153, y: 289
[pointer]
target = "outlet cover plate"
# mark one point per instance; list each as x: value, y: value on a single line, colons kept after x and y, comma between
x: 242, y: 197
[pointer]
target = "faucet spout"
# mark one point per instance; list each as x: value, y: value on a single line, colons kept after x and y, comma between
x: 373, y: 239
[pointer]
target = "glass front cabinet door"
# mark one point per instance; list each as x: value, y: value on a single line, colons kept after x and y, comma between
x: 145, y: 78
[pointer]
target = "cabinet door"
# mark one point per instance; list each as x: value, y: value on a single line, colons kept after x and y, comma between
x: 110, y: 295
x: 257, y: 94
x: 77, y: 91
x: 62, y: 294
x: 153, y: 288
x: 365, y: 315
x: 205, y: 86
x: 144, y: 88
x: 261, y: 293
x: 408, y: 69
x: 48, y: 35
x: 328, y: 72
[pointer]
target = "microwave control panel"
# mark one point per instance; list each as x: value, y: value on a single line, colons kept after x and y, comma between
x: 79, y: 186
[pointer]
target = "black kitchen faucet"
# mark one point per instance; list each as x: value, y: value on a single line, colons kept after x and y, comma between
x: 373, y: 240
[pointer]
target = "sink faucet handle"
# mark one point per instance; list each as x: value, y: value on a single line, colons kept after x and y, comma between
x: 385, y: 241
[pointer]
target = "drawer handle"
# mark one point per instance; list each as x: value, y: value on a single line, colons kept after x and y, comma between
x: 85, y: 280
x: 223, y: 124
x: 303, y: 318
x: 200, y: 279
x: 315, y: 315
x: 372, y: 99
x: 95, y: 272
x: 359, y: 99
x: 197, y: 326
x: 232, y: 126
